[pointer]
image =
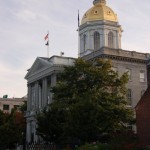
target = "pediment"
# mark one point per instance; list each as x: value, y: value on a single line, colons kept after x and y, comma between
x: 39, y: 65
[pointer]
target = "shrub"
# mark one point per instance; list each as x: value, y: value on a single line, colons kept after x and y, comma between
x: 93, y: 146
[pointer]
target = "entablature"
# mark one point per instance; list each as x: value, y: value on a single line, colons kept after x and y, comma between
x: 118, y: 54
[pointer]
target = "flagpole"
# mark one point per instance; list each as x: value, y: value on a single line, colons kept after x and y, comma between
x: 48, y: 46
x: 78, y: 34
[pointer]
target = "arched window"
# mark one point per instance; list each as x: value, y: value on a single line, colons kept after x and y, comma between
x: 84, y: 42
x: 110, y: 40
x: 96, y: 40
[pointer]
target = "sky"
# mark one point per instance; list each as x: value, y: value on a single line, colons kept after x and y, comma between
x: 24, y: 24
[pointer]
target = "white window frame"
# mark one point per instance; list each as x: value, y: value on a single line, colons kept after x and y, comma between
x: 129, y: 97
x: 84, y: 42
x: 142, y: 76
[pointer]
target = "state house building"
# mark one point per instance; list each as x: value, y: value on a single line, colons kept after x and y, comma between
x: 99, y: 37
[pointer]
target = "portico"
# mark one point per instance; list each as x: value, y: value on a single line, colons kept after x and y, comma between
x: 41, y: 78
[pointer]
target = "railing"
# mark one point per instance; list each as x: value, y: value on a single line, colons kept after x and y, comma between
x: 42, y: 147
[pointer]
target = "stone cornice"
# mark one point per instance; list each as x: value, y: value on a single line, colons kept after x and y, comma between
x: 45, y: 72
x: 99, y: 23
x: 43, y: 64
x: 105, y: 52
x: 118, y: 54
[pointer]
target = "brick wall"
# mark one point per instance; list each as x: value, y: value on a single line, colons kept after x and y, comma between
x: 143, y: 118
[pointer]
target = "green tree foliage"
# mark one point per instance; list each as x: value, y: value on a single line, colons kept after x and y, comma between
x: 23, y: 107
x: 50, y: 123
x: 93, y: 146
x: 11, y: 128
x: 89, y: 100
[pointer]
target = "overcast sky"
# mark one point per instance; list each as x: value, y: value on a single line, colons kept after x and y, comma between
x: 24, y: 23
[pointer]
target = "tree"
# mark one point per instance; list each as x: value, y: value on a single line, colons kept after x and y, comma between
x: 50, y: 123
x: 92, y: 97
x: 11, y: 128
x: 23, y: 107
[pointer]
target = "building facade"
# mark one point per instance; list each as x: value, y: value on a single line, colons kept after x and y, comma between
x: 41, y: 77
x: 7, y: 104
x: 143, y: 114
x: 99, y: 37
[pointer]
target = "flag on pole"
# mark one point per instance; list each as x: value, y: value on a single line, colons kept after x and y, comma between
x: 47, y: 43
x: 46, y: 37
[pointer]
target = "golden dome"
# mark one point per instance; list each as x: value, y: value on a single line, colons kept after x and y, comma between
x: 99, y: 12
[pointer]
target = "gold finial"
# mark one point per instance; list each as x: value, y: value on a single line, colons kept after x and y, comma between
x: 99, y: 2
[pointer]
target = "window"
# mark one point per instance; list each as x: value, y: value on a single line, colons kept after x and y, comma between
x: 129, y: 73
x: 129, y: 96
x: 142, y: 76
x: 96, y: 40
x: 84, y: 42
x: 5, y: 107
x: 110, y: 40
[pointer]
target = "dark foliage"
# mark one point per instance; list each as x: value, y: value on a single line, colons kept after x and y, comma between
x: 89, y: 101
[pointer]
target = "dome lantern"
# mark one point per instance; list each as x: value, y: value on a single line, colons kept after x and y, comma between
x: 99, y: 12
x: 99, y: 28
x: 95, y: 2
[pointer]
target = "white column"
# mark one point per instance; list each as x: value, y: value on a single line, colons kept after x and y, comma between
x: 33, y: 97
x: 115, y: 39
x: 44, y: 92
x: 34, y: 131
x: 36, y: 95
x: 40, y: 97
x: 29, y: 98
x: 91, y: 40
x: 119, y: 40
x: 28, y: 132
x: 46, y: 95
x: 81, y: 44
x: 105, y: 38
x: 88, y: 42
